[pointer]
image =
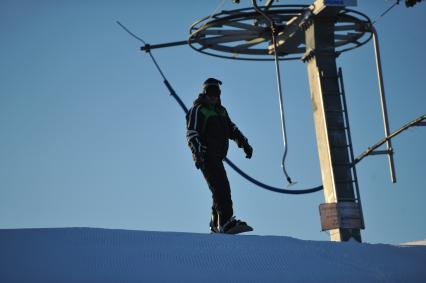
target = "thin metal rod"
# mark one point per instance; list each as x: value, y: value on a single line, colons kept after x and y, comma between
x: 383, y: 103
x: 280, y: 96
x: 148, y: 47
x: 379, y: 152
x: 385, y: 12
x: 283, y: 126
x: 412, y: 123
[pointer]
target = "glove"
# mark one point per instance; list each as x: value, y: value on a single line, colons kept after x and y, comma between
x: 248, y: 150
x: 200, y: 160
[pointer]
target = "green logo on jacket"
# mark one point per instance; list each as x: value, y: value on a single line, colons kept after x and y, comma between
x: 211, y: 112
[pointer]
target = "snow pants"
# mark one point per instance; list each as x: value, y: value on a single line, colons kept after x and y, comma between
x: 217, y: 180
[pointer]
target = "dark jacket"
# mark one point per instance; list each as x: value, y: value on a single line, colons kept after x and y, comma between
x: 209, y: 129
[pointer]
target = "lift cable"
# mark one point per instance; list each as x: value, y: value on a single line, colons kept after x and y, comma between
x: 218, y: 8
x: 385, y: 12
x: 229, y: 162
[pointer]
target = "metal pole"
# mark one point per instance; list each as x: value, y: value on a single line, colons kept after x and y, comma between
x: 383, y: 103
x: 277, y: 68
x: 148, y: 47
x: 280, y: 96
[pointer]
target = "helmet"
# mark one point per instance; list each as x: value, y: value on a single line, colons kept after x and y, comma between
x: 211, y: 81
x: 212, y: 85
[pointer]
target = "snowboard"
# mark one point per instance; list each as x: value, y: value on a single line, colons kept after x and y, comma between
x: 236, y: 230
x: 239, y: 229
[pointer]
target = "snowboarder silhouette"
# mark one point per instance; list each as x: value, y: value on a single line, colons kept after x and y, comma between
x: 209, y: 129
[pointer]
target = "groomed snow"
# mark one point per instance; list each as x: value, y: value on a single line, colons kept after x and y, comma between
x: 416, y: 243
x: 102, y: 255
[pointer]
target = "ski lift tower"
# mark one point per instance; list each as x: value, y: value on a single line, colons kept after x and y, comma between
x: 316, y: 34
x: 342, y: 204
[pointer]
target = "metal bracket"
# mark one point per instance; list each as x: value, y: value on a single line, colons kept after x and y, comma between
x: 379, y: 152
x: 416, y: 122
x: 309, y: 54
x: 147, y: 47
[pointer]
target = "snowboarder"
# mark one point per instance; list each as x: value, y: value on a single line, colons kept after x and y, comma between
x: 209, y: 129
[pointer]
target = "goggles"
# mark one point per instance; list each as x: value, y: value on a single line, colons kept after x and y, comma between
x: 212, y: 90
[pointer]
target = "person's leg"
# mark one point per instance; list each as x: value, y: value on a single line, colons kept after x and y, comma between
x: 217, y: 180
x: 214, y: 220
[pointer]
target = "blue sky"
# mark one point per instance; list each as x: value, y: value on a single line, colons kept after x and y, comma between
x: 90, y: 136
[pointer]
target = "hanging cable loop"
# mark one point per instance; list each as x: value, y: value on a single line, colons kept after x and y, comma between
x: 229, y: 162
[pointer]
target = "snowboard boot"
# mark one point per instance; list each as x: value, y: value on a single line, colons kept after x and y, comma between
x: 213, y: 224
x: 234, y: 226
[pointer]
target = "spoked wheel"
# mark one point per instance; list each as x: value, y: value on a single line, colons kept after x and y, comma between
x: 244, y: 34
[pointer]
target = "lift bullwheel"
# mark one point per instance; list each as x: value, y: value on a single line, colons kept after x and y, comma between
x: 244, y: 34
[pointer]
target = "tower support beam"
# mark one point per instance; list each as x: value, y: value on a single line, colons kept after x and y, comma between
x: 328, y: 110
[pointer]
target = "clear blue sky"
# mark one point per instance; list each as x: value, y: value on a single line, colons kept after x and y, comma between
x: 90, y: 137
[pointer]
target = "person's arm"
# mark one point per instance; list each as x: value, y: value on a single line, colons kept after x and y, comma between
x: 239, y: 138
x: 194, y: 121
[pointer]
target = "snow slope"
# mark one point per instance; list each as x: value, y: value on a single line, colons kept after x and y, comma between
x: 101, y: 255
x: 416, y: 243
